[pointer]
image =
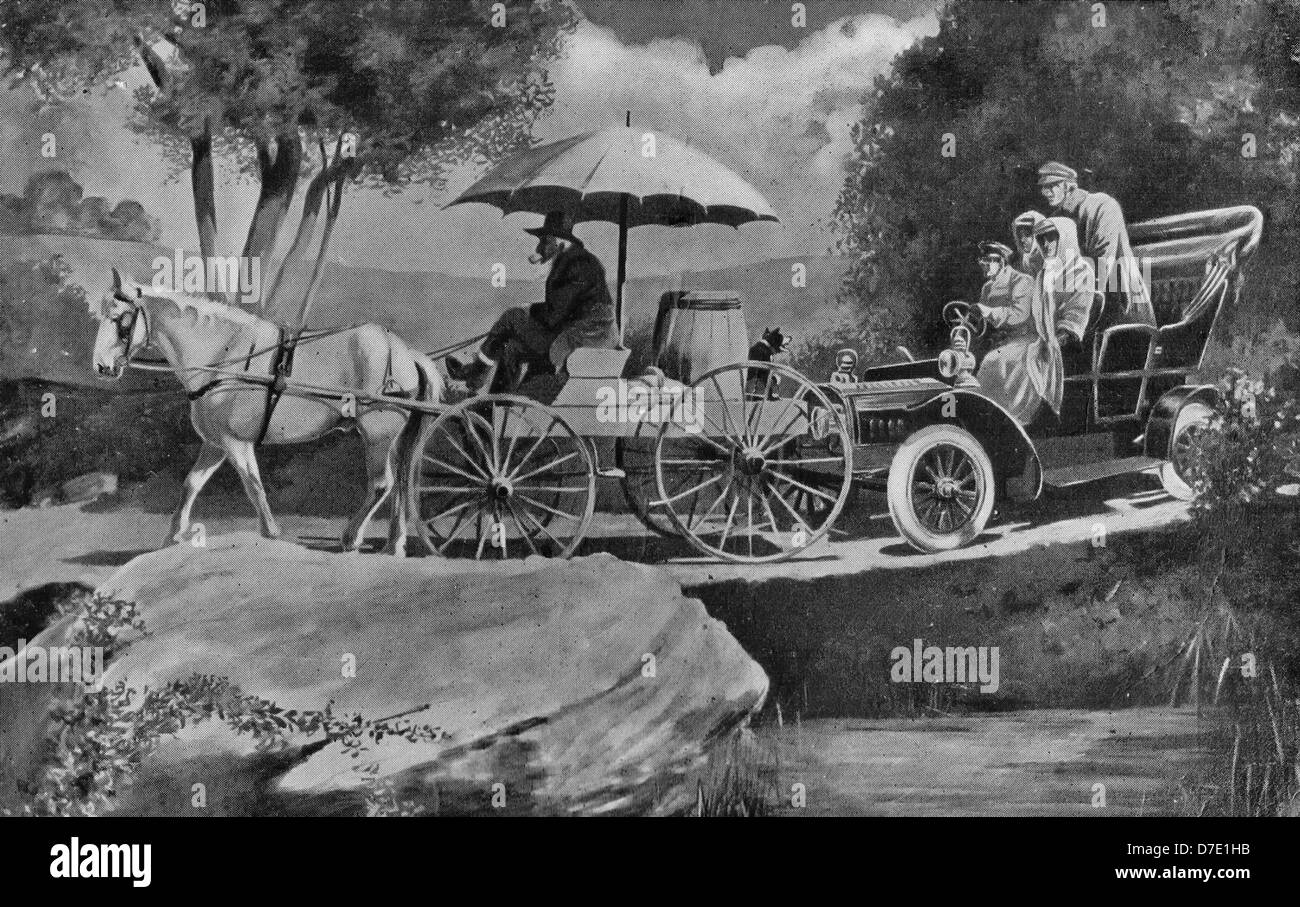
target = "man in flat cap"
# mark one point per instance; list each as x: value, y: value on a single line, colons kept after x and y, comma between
x: 1007, y: 292
x: 1103, y: 238
x: 578, y: 312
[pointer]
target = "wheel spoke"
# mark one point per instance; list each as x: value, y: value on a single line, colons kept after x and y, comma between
x: 542, y: 439
x: 522, y: 532
x: 541, y: 528
x: 482, y: 537
x: 798, y: 520
x: 477, y: 480
x: 771, y: 517
x: 691, y: 527
x: 749, y: 522
x: 449, y: 511
x: 682, y: 494
x: 735, y: 432
x: 731, y: 515
x: 551, y: 510
x: 549, y: 466
x: 472, y: 432
x: 763, y: 444
x: 451, y: 536
x: 808, y: 488
x: 568, y: 489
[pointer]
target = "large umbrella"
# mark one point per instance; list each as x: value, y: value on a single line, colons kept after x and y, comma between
x: 624, y: 176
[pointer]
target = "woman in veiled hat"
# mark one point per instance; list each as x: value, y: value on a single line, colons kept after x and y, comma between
x: 1030, y: 257
x: 1029, y: 371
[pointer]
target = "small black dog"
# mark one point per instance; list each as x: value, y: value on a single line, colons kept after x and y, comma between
x: 762, y: 381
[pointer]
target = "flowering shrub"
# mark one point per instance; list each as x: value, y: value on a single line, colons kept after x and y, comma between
x: 1251, y: 449
x: 103, y: 734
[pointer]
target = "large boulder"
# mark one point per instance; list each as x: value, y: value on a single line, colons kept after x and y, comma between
x: 590, y: 685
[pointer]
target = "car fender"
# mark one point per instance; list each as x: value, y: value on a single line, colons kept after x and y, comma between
x: 1004, y: 439
x: 1160, y: 424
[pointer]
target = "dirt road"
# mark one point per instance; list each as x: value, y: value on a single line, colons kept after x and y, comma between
x: 88, y: 542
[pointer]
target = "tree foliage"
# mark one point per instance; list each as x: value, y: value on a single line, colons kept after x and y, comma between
x: 1154, y: 107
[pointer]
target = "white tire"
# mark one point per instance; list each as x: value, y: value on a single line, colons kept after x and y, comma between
x: 1192, y: 419
x: 941, y: 488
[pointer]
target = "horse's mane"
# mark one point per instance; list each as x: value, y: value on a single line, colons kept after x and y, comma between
x: 206, y: 310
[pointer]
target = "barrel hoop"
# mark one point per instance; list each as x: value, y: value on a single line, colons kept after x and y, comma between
x: 707, y: 305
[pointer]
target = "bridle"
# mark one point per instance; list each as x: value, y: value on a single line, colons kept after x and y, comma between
x: 125, y: 324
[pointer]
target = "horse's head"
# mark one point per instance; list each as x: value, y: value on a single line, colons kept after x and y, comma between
x: 123, y: 327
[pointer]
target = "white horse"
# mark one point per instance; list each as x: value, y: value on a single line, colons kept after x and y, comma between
x: 233, y: 416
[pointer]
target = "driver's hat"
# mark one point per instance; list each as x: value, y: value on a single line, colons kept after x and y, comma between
x: 995, y: 249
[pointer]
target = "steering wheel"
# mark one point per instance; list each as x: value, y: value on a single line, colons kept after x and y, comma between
x: 963, y: 314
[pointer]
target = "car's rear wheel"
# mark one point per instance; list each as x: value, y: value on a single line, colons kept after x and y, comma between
x: 1193, y: 419
x: 941, y: 488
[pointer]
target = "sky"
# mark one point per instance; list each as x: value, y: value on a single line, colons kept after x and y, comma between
x: 735, y: 79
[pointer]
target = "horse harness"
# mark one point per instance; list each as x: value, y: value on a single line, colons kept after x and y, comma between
x: 281, y: 368
x: 282, y: 357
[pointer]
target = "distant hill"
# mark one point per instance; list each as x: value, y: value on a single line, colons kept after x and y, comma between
x: 429, y: 309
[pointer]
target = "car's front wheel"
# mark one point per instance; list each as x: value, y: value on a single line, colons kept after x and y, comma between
x: 941, y: 488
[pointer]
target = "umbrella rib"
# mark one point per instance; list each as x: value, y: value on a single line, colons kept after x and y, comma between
x: 591, y: 175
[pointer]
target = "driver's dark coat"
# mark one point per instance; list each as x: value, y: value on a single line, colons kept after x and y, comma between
x: 576, y: 294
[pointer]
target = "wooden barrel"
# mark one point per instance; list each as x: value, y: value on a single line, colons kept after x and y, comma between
x: 699, y: 331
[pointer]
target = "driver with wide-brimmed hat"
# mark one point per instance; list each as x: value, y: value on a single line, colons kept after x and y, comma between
x: 578, y: 312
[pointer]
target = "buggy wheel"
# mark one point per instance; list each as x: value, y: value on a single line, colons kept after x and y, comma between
x: 636, y: 457
x: 941, y: 488
x: 1193, y: 419
x: 735, y: 495
x: 500, y: 476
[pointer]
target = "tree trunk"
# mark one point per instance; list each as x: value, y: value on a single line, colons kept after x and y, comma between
x: 204, y: 182
x: 279, y: 180
x: 318, y: 269
x: 290, y: 271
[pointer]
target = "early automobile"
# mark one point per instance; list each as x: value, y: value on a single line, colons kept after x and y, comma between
x: 945, y: 454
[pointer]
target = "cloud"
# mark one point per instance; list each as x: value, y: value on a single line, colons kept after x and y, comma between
x: 779, y: 117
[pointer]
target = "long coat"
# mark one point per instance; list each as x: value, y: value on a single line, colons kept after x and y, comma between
x: 1009, y: 295
x: 578, y: 306
x: 1103, y: 238
x: 1028, y: 371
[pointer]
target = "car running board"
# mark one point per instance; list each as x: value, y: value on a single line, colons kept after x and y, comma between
x: 1091, y: 472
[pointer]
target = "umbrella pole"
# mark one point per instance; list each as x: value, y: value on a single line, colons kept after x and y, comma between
x: 622, y: 264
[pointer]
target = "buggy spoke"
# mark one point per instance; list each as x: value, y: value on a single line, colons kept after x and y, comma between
x: 547, y: 467
x: 477, y: 480
x: 546, y: 507
x: 692, y: 526
x: 522, y: 532
x: 731, y: 515
x: 532, y: 450
x: 682, y: 494
x: 808, y: 488
x: 542, y: 529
